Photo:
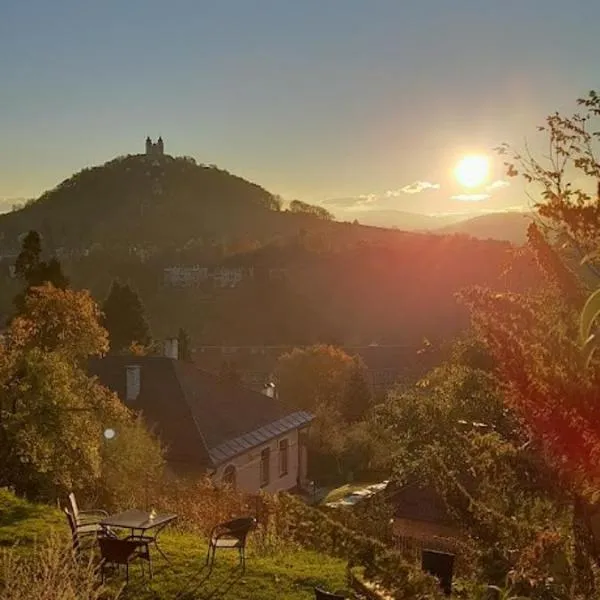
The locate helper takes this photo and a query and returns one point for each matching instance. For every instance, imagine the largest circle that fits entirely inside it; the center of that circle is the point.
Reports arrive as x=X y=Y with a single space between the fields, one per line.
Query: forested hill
x=141 y=200
x=160 y=203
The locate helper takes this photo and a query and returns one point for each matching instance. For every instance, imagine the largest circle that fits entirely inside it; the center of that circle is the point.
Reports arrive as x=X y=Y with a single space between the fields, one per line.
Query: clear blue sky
x=315 y=99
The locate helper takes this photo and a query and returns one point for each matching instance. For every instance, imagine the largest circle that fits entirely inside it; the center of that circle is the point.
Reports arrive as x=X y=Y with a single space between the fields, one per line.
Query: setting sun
x=472 y=171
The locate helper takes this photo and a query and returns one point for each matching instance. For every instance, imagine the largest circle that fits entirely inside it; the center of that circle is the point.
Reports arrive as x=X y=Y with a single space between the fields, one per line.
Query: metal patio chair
x=115 y=552
x=231 y=535
x=83 y=536
x=85 y=517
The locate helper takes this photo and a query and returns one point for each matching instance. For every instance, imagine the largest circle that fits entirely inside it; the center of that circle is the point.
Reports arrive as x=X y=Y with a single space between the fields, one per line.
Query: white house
x=241 y=437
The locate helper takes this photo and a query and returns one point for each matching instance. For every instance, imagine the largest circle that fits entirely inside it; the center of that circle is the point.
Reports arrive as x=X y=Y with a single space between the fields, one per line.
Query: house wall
x=247 y=467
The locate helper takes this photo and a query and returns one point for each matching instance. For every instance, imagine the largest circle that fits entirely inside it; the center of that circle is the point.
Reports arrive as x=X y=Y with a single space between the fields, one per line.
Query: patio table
x=141 y=521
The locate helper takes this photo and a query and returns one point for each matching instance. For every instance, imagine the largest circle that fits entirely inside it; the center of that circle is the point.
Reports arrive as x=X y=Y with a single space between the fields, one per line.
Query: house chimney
x=269 y=390
x=171 y=348
x=132 y=382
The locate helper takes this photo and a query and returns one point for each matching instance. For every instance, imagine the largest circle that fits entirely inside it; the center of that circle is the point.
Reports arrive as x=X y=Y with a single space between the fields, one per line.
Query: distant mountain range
x=405 y=220
x=510 y=226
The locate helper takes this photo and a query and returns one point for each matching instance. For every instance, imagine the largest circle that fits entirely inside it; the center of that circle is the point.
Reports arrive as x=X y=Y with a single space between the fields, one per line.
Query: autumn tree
x=333 y=386
x=567 y=179
x=52 y=415
x=300 y=207
x=358 y=394
x=124 y=318
x=61 y=321
x=313 y=377
x=534 y=337
x=451 y=433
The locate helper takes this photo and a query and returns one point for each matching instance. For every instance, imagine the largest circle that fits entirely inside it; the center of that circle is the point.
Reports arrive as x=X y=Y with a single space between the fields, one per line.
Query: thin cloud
x=413 y=188
x=497 y=185
x=7 y=203
x=470 y=197
x=351 y=201
x=368 y=198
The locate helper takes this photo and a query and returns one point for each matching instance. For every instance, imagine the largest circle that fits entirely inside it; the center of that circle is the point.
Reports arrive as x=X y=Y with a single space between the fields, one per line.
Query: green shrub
x=131 y=462
x=292 y=519
x=199 y=503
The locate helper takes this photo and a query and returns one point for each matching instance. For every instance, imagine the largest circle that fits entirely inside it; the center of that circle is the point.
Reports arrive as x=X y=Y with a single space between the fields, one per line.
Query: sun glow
x=472 y=171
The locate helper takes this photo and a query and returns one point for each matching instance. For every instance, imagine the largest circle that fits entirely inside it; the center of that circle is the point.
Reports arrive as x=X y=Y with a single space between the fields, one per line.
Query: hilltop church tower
x=155 y=149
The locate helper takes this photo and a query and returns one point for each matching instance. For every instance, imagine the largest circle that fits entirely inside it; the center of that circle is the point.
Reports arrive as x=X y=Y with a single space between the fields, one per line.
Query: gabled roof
x=419 y=502
x=200 y=418
x=244 y=442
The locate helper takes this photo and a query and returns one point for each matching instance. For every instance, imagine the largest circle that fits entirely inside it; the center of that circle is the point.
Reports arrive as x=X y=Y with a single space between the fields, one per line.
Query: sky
x=359 y=105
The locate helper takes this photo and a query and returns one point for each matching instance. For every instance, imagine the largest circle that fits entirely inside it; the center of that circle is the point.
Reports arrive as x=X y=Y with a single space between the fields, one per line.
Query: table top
x=137 y=519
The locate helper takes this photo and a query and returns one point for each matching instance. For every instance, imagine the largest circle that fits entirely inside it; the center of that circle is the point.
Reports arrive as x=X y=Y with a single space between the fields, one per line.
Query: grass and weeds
x=291 y=574
x=35 y=561
x=24 y=523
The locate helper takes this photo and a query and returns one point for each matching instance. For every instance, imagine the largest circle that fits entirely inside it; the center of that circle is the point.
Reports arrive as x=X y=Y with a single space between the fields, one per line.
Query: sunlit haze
x=353 y=104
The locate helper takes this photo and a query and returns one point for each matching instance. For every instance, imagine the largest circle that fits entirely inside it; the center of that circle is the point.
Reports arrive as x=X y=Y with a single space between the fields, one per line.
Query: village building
x=235 y=435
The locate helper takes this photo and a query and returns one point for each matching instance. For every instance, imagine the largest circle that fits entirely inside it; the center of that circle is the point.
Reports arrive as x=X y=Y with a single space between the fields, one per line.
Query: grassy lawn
x=25 y=523
x=290 y=575
x=280 y=573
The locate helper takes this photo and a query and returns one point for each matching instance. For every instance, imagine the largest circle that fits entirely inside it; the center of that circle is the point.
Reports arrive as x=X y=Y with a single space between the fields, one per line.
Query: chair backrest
x=73 y=528
x=117 y=551
x=323 y=595
x=239 y=528
x=74 y=507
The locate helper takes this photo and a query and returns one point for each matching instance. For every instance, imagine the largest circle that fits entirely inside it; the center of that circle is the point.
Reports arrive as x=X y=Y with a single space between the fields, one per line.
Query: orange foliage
x=534 y=341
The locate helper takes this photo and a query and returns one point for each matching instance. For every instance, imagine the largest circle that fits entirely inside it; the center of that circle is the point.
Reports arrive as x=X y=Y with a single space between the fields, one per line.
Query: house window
x=265 y=465
x=283 y=458
x=229 y=476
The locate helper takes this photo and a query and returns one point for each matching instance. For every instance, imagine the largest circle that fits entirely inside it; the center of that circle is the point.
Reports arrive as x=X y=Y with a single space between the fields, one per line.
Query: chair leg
x=127 y=573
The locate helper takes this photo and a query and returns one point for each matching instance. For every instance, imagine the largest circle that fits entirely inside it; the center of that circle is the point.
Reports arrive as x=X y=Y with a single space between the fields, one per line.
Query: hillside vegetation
x=159 y=203
x=342 y=283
